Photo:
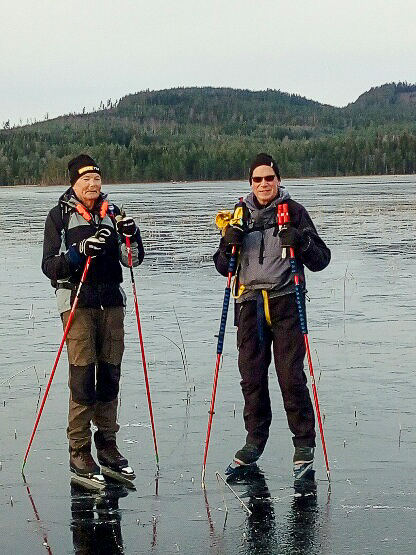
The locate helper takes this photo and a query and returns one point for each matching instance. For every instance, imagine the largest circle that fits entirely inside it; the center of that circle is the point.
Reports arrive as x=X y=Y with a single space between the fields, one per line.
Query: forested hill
x=212 y=133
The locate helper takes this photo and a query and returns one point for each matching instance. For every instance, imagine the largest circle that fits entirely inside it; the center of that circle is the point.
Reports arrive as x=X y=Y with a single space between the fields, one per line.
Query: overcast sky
x=58 y=56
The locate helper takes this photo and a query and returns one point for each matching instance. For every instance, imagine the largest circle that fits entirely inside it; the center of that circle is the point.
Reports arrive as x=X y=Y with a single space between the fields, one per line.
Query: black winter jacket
x=65 y=228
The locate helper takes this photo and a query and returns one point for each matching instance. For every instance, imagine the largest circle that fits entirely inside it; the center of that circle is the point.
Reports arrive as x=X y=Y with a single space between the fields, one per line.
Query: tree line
x=212 y=134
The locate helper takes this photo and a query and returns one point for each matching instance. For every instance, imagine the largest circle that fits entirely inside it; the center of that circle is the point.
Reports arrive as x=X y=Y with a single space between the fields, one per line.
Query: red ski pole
x=139 y=327
x=61 y=346
x=284 y=220
x=220 y=345
x=237 y=219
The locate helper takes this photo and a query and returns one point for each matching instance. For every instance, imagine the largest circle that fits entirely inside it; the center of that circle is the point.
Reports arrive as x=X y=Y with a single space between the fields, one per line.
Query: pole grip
x=231 y=264
x=284 y=220
x=129 y=253
x=223 y=322
x=226 y=301
x=298 y=293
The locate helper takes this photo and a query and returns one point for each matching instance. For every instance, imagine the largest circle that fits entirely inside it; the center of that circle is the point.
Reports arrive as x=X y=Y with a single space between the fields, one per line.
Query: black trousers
x=286 y=339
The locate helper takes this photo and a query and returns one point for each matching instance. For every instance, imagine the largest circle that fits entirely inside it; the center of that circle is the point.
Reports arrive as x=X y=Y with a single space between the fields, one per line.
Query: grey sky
x=57 y=56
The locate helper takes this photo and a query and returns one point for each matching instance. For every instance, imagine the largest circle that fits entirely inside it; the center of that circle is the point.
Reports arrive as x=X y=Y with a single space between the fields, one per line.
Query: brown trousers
x=95 y=346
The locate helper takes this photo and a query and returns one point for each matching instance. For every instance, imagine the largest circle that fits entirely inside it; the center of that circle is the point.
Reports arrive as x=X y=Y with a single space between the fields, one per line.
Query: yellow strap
x=241 y=288
x=266 y=306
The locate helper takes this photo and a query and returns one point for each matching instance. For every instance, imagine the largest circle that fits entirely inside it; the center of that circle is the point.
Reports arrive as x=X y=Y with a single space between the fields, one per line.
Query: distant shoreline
x=40 y=185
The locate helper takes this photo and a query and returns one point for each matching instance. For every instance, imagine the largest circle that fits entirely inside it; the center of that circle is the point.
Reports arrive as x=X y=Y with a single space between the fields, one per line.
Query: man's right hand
x=93 y=246
x=234 y=236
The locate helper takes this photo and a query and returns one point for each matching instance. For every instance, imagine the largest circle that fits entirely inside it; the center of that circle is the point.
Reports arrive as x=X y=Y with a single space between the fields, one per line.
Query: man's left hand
x=126 y=226
x=291 y=238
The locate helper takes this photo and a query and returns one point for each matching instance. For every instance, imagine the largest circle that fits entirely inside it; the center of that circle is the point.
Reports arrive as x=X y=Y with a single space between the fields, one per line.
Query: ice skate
x=84 y=470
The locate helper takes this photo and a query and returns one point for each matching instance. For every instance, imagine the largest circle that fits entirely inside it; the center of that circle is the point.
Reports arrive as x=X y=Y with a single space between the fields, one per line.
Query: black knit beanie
x=80 y=165
x=263 y=159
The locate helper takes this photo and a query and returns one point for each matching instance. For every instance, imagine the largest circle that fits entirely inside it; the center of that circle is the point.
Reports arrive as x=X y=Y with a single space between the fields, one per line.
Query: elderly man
x=84 y=223
x=267 y=315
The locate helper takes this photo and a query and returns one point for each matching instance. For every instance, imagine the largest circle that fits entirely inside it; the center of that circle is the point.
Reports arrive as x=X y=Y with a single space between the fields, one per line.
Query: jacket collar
x=268 y=211
x=70 y=201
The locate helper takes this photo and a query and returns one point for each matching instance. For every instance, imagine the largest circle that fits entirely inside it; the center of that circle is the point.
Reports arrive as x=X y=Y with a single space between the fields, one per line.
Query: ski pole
x=220 y=345
x=61 y=346
x=284 y=221
x=139 y=327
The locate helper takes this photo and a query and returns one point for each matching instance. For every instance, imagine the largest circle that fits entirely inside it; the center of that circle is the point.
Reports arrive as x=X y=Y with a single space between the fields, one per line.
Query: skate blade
x=96 y=483
x=305 y=486
x=125 y=479
x=234 y=470
x=304 y=489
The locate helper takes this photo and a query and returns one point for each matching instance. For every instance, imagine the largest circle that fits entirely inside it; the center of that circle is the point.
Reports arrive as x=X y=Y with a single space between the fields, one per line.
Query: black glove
x=126 y=226
x=95 y=245
x=234 y=236
x=291 y=237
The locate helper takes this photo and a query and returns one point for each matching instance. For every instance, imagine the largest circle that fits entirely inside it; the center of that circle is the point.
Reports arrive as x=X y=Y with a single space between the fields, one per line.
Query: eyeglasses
x=268 y=178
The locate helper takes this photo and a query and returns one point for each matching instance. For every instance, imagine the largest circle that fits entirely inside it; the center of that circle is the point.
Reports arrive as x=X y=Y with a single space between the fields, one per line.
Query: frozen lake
x=362 y=336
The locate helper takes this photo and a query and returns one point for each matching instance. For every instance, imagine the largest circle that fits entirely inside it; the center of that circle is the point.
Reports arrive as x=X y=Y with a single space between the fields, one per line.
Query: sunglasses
x=268 y=178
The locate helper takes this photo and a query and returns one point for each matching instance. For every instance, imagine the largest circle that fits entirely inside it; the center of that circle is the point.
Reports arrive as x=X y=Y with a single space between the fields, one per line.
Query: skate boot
x=82 y=464
x=110 y=457
x=303 y=463
x=244 y=459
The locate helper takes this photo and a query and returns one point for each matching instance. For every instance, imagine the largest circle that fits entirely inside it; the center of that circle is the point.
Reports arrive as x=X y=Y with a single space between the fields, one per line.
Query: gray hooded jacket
x=260 y=262
x=261 y=265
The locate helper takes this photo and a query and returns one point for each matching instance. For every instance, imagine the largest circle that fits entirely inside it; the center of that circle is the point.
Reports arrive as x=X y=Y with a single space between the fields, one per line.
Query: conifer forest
x=186 y=134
